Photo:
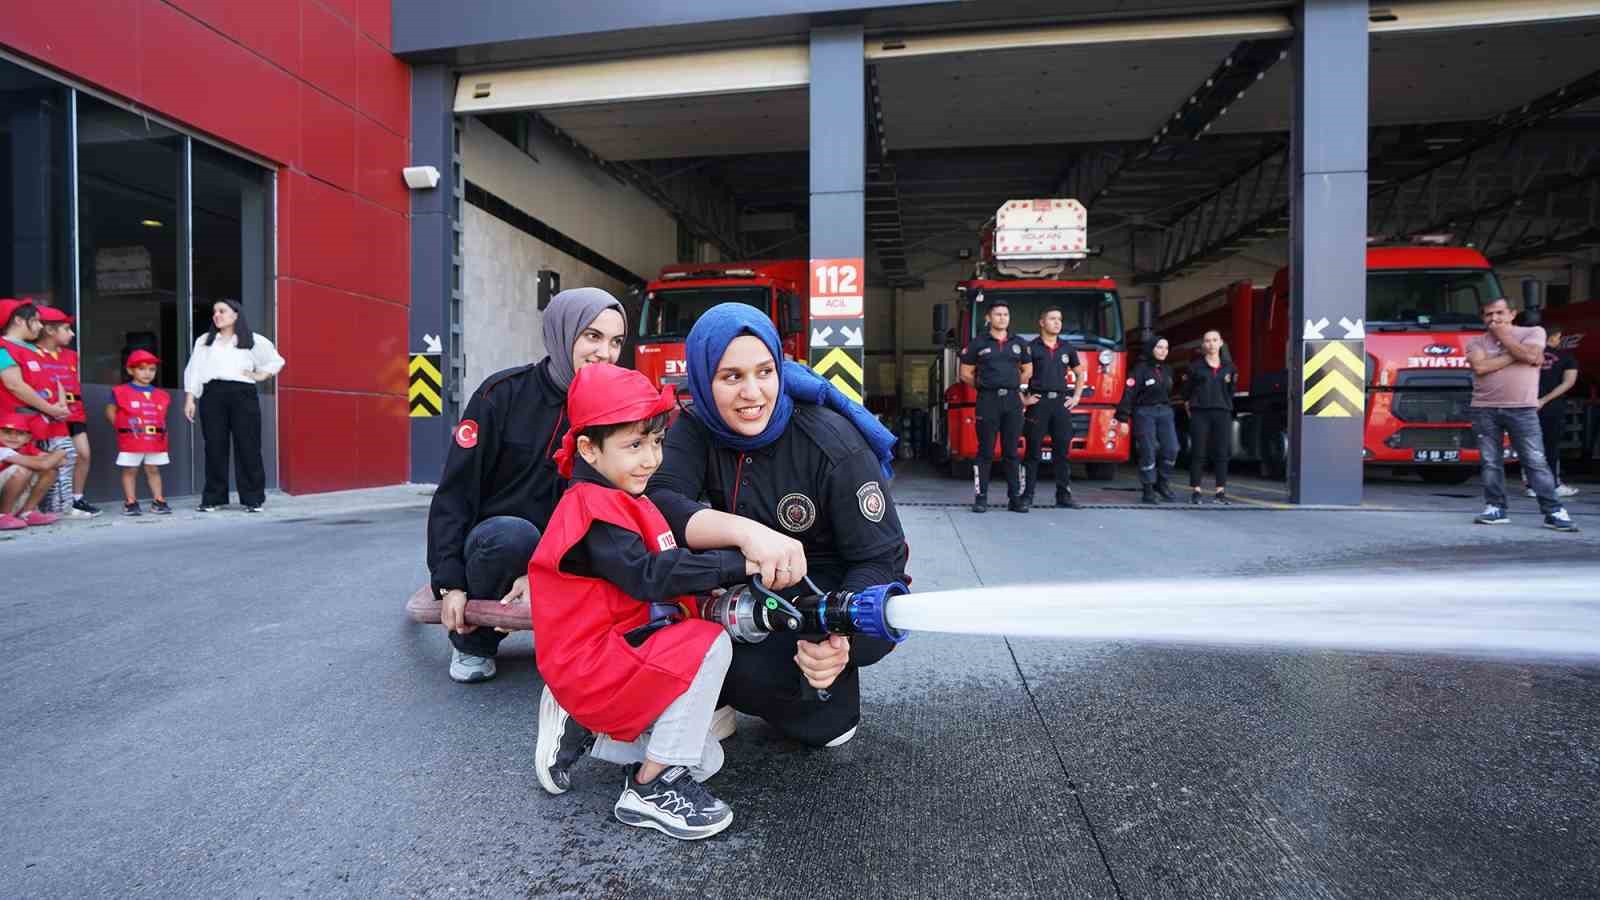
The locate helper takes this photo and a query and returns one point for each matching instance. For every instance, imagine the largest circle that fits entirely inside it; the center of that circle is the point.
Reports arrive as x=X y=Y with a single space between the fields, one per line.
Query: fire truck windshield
x=1086 y=313
x=1429 y=298
x=670 y=313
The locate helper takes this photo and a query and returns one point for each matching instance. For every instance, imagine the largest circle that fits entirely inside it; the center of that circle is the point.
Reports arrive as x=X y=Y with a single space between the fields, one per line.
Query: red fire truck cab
x=1027 y=249
x=682 y=292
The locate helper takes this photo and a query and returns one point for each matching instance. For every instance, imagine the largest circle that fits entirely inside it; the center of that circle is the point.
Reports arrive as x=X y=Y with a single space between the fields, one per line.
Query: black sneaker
x=1221 y=498
x=1560 y=521
x=1147 y=494
x=210 y=507
x=561 y=743
x=252 y=509
x=673 y=803
x=980 y=504
x=1194 y=498
x=1165 y=490
x=132 y=509
x=1017 y=505
x=160 y=508
x=81 y=507
x=1065 y=501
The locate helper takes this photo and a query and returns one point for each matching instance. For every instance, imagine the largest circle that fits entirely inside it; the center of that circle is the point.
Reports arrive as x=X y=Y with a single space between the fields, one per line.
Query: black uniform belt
x=148 y=429
x=1051 y=395
x=1001 y=391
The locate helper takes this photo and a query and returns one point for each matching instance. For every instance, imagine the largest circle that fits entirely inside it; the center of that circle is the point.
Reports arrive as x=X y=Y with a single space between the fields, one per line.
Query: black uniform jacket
x=999 y=363
x=1149 y=385
x=1050 y=366
x=620 y=557
x=818 y=483
x=499 y=465
x=1208 y=388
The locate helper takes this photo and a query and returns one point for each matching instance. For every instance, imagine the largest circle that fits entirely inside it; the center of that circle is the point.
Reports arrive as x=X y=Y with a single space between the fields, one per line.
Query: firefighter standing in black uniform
x=1147 y=401
x=998 y=365
x=1208 y=394
x=1049 y=405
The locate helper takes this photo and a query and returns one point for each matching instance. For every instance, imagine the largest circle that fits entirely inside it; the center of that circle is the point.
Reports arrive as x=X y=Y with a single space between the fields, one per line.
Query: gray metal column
x=435 y=260
x=838 y=202
x=1327 y=266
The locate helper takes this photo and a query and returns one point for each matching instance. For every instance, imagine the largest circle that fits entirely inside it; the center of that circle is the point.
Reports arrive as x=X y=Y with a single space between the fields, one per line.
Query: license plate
x=1436 y=456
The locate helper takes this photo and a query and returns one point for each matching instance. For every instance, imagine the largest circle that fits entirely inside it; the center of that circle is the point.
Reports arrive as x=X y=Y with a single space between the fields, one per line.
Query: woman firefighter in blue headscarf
x=774 y=461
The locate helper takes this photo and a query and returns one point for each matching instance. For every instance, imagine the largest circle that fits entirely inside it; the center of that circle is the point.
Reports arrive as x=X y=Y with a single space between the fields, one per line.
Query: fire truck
x=1422 y=308
x=682 y=292
x=1028 y=248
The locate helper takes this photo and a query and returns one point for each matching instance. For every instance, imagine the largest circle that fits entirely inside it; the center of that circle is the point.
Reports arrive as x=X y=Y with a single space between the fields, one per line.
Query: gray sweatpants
x=681 y=735
x=59 y=500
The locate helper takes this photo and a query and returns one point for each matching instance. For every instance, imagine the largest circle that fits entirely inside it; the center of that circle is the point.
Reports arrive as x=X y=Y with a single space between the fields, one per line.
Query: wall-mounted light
x=151 y=223
x=420 y=178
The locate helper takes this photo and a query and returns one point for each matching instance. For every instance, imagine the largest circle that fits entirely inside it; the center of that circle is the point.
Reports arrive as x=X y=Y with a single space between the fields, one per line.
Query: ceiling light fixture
x=150 y=223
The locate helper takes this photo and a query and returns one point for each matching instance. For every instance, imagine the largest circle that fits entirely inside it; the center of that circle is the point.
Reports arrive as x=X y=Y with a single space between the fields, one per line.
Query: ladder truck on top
x=1029 y=249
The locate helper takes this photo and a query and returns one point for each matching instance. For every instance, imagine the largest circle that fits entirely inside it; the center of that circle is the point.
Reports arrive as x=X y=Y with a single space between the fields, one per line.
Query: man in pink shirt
x=1505 y=398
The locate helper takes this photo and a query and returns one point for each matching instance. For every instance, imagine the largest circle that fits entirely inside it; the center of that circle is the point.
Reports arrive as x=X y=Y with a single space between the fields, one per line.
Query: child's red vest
x=61 y=386
x=141 y=419
x=609 y=686
x=32 y=365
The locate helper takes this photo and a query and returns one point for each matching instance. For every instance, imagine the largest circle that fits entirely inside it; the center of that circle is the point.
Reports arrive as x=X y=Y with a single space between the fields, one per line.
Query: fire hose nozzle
x=865 y=610
x=751 y=612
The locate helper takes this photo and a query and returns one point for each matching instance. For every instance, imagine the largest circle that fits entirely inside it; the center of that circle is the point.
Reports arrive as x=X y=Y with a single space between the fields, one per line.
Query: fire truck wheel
x=1100 y=471
x=1451 y=475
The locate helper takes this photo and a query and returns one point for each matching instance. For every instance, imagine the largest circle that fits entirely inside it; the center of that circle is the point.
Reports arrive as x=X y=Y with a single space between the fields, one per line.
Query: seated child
x=618 y=657
x=26 y=475
x=139 y=414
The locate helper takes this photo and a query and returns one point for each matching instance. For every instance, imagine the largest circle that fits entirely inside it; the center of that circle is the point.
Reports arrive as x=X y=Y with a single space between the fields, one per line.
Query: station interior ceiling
x=1176 y=143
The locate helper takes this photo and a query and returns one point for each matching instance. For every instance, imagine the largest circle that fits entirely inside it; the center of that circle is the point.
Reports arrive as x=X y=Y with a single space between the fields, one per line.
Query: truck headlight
x=1105 y=357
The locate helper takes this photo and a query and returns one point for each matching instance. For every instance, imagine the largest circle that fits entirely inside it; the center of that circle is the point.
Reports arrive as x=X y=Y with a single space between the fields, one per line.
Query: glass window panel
x=130 y=246
x=35 y=233
x=232 y=202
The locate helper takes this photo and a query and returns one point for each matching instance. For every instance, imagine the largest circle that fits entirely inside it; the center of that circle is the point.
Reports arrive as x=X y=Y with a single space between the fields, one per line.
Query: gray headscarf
x=569 y=313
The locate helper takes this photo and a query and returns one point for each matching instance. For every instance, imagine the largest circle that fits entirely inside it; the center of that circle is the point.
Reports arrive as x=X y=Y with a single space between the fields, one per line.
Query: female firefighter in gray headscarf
x=500 y=484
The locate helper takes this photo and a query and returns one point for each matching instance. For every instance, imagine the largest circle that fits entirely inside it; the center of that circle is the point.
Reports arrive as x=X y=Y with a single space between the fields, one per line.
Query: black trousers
x=497 y=553
x=1157 y=437
x=1210 y=437
x=230 y=418
x=1049 y=417
x=1002 y=415
x=1552 y=421
x=764 y=681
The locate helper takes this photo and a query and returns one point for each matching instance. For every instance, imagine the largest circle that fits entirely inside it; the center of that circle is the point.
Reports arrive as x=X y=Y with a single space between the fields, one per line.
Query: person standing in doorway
x=1049 y=406
x=1505 y=398
x=1558 y=373
x=1208 y=393
x=1147 y=401
x=998 y=365
x=229 y=360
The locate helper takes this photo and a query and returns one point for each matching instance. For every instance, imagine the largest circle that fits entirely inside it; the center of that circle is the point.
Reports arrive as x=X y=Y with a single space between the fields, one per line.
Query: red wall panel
x=310 y=85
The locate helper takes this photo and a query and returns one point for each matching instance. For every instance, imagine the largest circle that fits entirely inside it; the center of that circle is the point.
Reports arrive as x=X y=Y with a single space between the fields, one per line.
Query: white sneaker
x=843 y=739
x=1566 y=490
x=466 y=668
x=724 y=722
x=1531 y=492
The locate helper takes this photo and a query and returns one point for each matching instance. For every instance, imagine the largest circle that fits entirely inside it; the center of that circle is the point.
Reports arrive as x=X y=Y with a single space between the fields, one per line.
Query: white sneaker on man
x=467 y=669
x=1531 y=492
x=1566 y=490
x=843 y=739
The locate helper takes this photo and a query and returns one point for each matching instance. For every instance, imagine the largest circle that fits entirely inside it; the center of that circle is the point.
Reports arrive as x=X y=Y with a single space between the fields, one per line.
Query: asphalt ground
x=236 y=706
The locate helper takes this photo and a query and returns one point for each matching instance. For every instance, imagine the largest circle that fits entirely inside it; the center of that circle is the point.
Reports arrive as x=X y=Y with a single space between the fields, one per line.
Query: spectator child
x=139 y=414
x=26 y=475
x=618 y=657
x=70 y=434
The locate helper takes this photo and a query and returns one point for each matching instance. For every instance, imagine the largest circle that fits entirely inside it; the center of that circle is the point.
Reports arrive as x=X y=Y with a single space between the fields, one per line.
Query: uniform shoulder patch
x=467 y=434
x=666 y=541
x=1131 y=382
x=796 y=512
x=872 y=502
x=1016 y=348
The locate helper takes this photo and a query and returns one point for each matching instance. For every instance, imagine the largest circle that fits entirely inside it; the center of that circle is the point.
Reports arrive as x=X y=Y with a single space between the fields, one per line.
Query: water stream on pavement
x=1496 y=612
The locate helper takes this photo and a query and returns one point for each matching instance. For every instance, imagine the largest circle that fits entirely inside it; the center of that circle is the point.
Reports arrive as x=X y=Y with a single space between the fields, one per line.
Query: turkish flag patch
x=467 y=434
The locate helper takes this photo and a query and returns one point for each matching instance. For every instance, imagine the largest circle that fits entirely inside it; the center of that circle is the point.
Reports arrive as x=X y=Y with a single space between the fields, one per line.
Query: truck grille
x=1432 y=439
x=1431 y=396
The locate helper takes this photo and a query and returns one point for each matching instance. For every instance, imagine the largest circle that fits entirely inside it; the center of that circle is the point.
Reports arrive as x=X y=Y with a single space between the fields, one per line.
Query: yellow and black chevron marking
x=1335 y=378
x=842 y=369
x=426 y=385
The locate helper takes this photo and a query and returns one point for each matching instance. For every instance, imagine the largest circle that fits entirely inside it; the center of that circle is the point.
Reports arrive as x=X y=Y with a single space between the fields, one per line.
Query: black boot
x=980 y=503
x=1064 y=500
x=1148 y=495
x=1194 y=497
x=1165 y=490
x=1018 y=504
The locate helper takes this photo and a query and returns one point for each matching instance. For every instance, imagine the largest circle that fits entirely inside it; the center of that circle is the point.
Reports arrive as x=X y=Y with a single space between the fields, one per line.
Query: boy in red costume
x=619 y=657
x=23 y=471
x=60 y=363
x=139 y=414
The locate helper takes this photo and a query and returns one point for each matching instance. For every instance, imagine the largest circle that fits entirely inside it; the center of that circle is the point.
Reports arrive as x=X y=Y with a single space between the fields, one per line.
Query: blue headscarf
x=709 y=339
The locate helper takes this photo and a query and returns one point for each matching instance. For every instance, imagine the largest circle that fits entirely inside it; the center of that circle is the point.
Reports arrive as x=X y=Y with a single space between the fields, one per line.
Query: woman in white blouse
x=227 y=363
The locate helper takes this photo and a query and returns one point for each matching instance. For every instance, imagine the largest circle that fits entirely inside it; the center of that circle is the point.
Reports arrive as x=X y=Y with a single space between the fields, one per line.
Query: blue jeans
x=497 y=553
x=1489 y=426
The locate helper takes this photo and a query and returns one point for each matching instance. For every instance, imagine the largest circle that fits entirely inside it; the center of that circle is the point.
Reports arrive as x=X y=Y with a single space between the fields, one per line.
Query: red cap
x=142 y=357
x=8 y=306
x=603 y=394
x=16 y=421
x=51 y=314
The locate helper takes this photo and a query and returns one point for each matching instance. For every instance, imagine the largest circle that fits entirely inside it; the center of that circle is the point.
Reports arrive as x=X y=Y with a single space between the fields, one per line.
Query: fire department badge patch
x=870 y=496
x=796 y=513
x=1016 y=349
x=467 y=434
x=1063 y=359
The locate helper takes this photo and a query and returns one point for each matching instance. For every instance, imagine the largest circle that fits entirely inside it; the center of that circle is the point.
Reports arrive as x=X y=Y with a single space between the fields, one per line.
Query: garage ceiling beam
x=1559 y=245
x=1095 y=173
x=1239 y=214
